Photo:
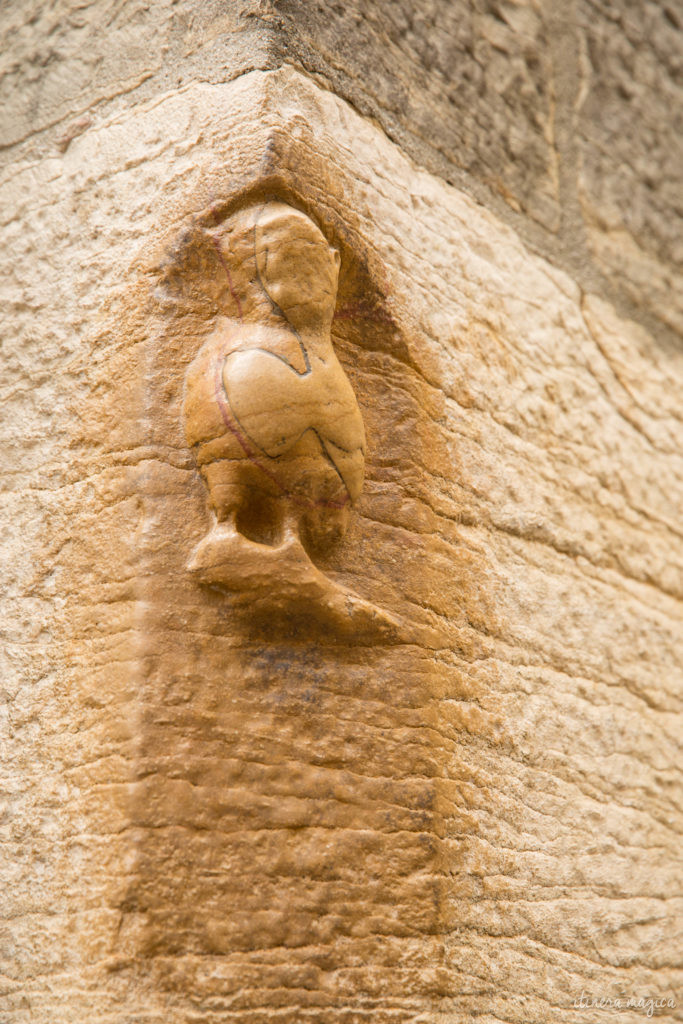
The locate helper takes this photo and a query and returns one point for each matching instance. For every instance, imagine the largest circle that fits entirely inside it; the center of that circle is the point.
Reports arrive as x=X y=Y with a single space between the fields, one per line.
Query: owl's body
x=274 y=427
x=271 y=415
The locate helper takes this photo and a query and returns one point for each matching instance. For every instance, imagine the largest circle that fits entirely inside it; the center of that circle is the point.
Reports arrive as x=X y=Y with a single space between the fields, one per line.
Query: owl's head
x=275 y=254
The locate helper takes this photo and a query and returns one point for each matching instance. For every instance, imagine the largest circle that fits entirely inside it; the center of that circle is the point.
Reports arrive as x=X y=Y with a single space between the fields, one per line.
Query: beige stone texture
x=208 y=818
x=561 y=116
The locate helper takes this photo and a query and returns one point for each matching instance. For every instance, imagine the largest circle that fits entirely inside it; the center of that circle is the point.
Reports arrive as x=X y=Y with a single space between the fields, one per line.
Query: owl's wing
x=275 y=405
x=349 y=465
x=268 y=398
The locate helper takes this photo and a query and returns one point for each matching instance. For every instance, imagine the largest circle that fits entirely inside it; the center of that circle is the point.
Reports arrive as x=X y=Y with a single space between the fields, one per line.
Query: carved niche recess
x=274 y=423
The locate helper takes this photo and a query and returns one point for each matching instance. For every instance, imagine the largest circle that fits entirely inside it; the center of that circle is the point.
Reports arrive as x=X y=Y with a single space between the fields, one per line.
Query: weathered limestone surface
x=631 y=150
x=563 y=116
x=204 y=821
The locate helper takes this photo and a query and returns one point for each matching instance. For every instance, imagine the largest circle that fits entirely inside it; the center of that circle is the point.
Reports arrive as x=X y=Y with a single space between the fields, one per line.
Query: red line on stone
x=361 y=311
x=234 y=294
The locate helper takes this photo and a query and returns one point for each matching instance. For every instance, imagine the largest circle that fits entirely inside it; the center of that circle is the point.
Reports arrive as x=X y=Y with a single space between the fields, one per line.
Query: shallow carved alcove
x=278 y=634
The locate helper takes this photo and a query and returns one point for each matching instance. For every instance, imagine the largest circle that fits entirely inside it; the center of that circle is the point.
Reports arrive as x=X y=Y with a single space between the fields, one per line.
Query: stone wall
x=477 y=817
x=563 y=118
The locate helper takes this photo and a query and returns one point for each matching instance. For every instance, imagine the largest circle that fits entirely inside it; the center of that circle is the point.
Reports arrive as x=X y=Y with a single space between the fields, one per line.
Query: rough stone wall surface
x=563 y=116
x=483 y=820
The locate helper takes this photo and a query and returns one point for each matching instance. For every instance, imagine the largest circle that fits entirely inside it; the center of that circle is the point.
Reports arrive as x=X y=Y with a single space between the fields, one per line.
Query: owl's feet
x=279 y=586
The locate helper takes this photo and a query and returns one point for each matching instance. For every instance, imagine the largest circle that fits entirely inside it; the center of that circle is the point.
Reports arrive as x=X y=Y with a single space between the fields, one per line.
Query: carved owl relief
x=270 y=414
x=269 y=411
